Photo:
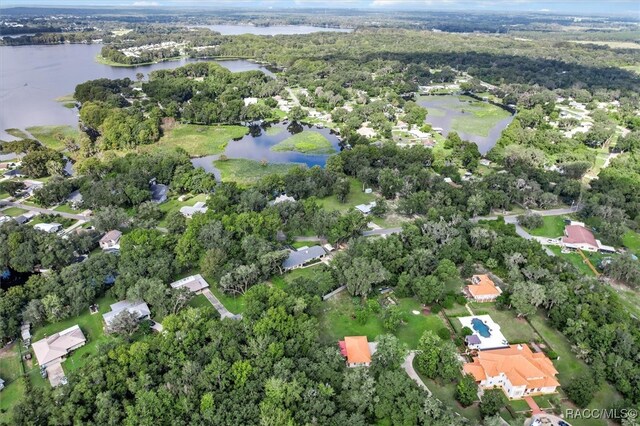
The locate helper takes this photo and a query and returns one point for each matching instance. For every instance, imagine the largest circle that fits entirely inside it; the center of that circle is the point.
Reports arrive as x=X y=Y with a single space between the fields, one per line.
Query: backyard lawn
x=574 y=258
x=356 y=196
x=514 y=329
x=553 y=227
x=338 y=320
x=306 y=142
x=91 y=326
x=630 y=239
x=173 y=204
x=53 y=136
x=13 y=211
x=197 y=140
x=66 y=208
x=246 y=172
x=200 y=301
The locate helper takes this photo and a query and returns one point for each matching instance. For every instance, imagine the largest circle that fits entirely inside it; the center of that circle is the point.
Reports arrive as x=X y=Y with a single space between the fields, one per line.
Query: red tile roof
x=576 y=234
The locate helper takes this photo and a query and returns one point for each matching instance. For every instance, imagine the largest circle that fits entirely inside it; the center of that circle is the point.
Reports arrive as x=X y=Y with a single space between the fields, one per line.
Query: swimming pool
x=481 y=327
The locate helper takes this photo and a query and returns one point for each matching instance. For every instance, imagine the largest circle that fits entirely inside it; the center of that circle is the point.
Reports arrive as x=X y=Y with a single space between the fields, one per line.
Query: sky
x=571 y=7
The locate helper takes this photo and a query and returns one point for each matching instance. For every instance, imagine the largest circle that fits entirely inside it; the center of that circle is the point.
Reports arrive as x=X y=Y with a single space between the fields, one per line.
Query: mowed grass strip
x=199 y=141
x=247 y=172
x=306 y=142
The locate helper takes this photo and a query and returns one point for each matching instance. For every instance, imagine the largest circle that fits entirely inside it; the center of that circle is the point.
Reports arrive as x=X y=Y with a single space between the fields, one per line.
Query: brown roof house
x=194 y=283
x=577 y=236
x=483 y=289
x=55 y=348
x=357 y=350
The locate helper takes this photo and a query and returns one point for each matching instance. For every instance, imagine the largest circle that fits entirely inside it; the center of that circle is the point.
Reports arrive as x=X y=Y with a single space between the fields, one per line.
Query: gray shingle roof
x=300 y=257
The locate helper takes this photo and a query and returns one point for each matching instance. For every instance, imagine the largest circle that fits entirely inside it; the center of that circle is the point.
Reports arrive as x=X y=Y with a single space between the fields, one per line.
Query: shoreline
x=104 y=61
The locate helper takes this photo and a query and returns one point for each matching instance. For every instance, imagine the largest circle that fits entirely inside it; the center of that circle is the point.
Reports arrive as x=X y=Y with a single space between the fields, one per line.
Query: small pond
x=256 y=145
x=479 y=122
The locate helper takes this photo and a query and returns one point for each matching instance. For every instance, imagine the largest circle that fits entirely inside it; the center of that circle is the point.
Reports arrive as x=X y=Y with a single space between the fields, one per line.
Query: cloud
x=145 y=3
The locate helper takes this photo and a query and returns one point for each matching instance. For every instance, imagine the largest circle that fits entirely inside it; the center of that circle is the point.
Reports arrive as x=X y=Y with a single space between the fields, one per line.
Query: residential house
x=516 y=370
x=53 y=349
x=578 y=237
x=199 y=207
x=365 y=209
x=195 y=283
x=357 y=350
x=13 y=173
x=303 y=256
x=483 y=289
x=75 y=199
x=1 y=384
x=138 y=308
x=4 y=219
x=25 y=217
x=111 y=240
x=49 y=228
x=159 y=192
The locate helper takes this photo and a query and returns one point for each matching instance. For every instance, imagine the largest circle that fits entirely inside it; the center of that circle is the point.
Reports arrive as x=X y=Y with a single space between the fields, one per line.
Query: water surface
x=271 y=30
x=32 y=77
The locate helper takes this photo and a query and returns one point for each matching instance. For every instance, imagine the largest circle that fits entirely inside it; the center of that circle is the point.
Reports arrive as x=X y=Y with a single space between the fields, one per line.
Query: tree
x=581 y=389
x=125 y=323
x=35 y=313
x=429 y=354
x=467 y=390
x=176 y=223
x=359 y=391
x=526 y=297
x=342 y=189
x=389 y=354
x=40 y=163
x=109 y=218
x=362 y=274
x=493 y=400
x=391 y=318
x=12 y=187
x=297 y=114
x=530 y=220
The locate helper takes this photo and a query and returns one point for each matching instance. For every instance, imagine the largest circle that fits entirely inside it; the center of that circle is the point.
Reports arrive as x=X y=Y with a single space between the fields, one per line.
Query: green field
x=553 y=226
x=247 y=172
x=631 y=240
x=338 y=320
x=66 y=208
x=13 y=211
x=199 y=141
x=356 y=196
x=53 y=136
x=306 y=142
x=17 y=133
x=575 y=259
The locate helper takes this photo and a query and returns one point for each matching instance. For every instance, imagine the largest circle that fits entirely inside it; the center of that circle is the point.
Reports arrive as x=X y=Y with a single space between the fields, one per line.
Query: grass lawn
x=13 y=211
x=4 y=195
x=338 y=320
x=92 y=327
x=247 y=172
x=173 y=204
x=515 y=330
x=630 y=239
x=356 y=196
x=519 y=405
x=630 y=299
x=446 y=392
x=199 y=141
x=300 y=244
x=53 y=136
x=10 y=372
x=553 y=226
x=235 y=304
x=307 y=142
x=66 y=208
x=199 y=301
x=574 y=258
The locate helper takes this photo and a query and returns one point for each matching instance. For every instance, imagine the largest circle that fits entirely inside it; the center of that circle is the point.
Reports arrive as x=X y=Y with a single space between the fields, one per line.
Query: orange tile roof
x=485 y=287
x=519 y=365
x=357 y=349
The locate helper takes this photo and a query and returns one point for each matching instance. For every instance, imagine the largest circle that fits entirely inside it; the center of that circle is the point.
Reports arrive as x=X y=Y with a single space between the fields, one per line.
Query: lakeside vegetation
x=199 y=141
x=306 y=142
x=54 y=137
x=246 y=172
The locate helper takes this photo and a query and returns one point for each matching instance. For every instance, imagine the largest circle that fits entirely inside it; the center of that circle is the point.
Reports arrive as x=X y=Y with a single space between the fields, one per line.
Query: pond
x=271 y=30
x=476 y=121
x=32 y=77
x=256 y=145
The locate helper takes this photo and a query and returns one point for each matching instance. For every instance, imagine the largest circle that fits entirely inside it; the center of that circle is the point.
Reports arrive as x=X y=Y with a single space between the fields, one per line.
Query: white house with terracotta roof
x=578 y=237
x=483 y=289
x=357 y=350
x=515 y=369
x=194 y=283
x=55 y=348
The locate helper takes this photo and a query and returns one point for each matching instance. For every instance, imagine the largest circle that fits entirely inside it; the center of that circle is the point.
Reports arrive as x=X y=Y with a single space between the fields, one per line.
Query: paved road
x=44 y=211
x=224 y=312
x=411 y=372
x=382 y=231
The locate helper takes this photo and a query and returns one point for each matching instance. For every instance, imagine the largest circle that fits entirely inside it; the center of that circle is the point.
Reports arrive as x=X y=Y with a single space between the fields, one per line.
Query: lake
x=271 y=30
x=32 y=77
x=257 y=143
x=476 y=121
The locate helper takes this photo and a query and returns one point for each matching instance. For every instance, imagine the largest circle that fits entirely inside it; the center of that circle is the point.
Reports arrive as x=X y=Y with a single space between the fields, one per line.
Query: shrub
x=444 y=333
x=435 y=309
